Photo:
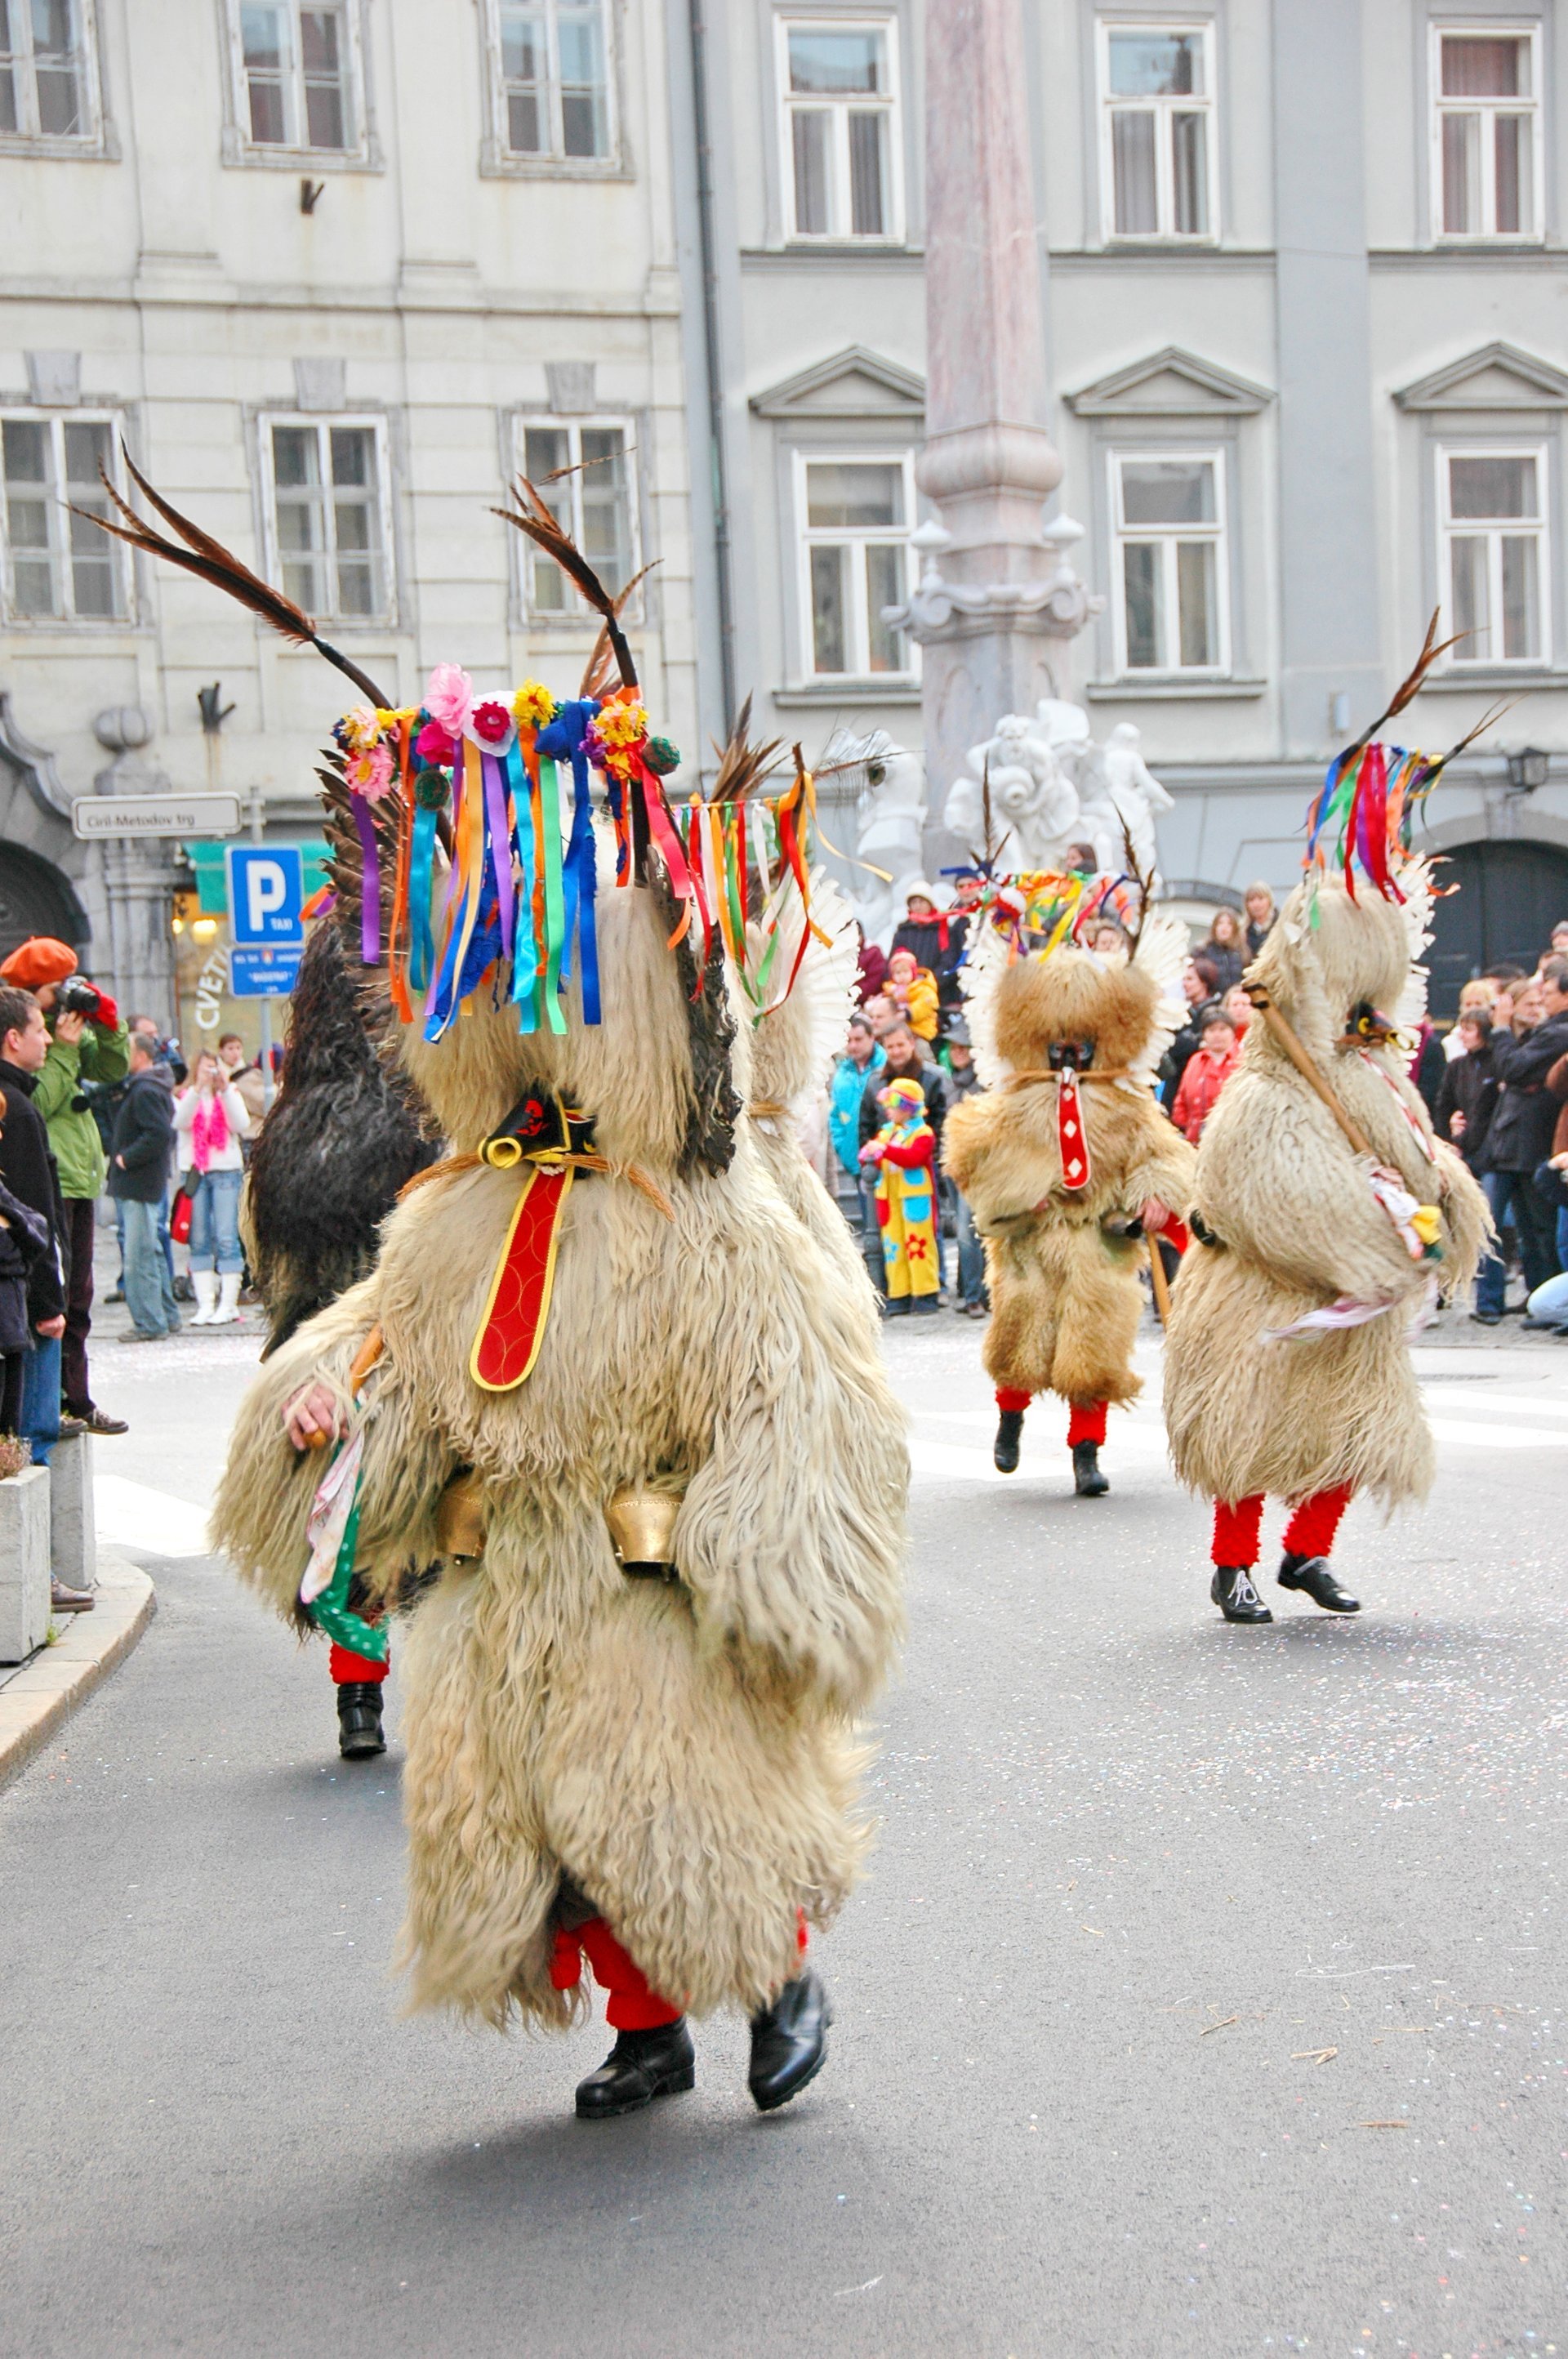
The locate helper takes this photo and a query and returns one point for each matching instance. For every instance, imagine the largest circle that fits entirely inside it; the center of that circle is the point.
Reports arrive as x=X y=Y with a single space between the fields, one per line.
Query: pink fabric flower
x=448 y=698
x=491 y=722
x=370 y=773
x=433 y=745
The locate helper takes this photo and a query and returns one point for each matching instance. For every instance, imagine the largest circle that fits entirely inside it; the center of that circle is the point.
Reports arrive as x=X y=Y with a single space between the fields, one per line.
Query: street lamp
x=1528 y=768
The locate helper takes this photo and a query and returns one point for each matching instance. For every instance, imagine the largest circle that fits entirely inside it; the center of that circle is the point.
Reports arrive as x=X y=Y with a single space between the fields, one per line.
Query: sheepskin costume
x=1296 y=1230
x=1063 y=1261
x=683 y=1754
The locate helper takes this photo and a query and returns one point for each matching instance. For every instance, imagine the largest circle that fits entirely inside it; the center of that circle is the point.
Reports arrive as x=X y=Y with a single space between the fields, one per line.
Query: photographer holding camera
x=87 y=1044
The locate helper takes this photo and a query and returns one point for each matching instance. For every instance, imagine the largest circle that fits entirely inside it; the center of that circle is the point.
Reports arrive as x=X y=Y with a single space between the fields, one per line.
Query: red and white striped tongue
x=1070 y=1134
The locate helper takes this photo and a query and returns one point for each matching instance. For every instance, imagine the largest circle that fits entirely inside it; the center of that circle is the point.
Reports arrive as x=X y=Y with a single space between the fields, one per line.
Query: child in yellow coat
x=903 y=1154
x=913 y=990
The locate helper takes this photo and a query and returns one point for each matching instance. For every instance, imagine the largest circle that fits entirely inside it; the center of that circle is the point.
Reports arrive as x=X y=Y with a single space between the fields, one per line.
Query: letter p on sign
x=266 y=889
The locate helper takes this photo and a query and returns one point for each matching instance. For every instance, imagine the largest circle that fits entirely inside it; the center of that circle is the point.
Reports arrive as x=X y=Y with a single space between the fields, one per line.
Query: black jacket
x=143 y=1139
x=936 y=942
x=1184 y=1046
x=26 y=1168
x=1227 y=964
x=1469 y=1087
x=932 y=1079
x=1526 y=1113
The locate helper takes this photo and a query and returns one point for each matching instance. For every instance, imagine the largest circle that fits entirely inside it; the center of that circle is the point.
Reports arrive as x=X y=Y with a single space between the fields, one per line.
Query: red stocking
x=633 y=2006
x=1311 y=1527
x=1086 y=1423
x=1236 y=1528
x=347 y=1667
x=1009 y=1399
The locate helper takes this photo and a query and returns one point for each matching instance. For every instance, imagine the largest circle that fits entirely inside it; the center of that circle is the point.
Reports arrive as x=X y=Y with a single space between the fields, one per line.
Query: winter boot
x=1088 y=1480
x=640 y=2066
x=1314 y=1576
x=205 y=1282
x=789 y=2043
x=228 y=1309
x=360 y=1735
x=1008 y=1433
x=1232 y=1591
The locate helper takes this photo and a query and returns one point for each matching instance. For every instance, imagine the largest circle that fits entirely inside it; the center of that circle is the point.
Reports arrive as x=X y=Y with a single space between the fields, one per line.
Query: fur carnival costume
x=1287 y=1361
x=1062 y=1150
x=673 y=1757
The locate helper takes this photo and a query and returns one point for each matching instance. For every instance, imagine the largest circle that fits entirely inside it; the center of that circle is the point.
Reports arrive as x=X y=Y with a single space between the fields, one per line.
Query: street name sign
x=266 y=895
x=117 y=815
x=261 y=974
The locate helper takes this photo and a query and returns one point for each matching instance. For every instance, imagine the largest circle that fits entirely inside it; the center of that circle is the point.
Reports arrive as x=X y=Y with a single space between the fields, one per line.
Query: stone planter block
x=73 y=1550
x=24 y=1563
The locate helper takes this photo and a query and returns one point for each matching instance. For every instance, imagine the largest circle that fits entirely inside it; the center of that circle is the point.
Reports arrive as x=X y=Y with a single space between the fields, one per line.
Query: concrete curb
x=38 y=1698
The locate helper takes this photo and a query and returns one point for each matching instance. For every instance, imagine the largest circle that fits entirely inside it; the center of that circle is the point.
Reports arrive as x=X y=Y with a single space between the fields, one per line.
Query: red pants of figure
x=347 y=1669
x=1086 y=1419
x=634 y=2004
x=1309 y=1531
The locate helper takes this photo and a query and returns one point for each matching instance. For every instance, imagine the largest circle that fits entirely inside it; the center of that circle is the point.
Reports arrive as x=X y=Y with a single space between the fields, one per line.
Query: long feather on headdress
x=532 y=516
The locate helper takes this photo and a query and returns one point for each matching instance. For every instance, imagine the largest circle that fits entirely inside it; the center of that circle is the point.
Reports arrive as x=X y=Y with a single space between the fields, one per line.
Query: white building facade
x=333 y=273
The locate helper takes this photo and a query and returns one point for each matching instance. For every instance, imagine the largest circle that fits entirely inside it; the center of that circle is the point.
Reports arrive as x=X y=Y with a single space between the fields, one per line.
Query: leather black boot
x=1009 y=1429
x=1088 y=1480
x=1232 y=1591
x=789 y=2043
x=640 y=2066
x=1314 y=1575
x=359 y=1733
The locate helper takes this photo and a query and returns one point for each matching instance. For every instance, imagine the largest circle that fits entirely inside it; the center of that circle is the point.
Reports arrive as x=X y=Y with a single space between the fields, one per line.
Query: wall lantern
x=1528 y=769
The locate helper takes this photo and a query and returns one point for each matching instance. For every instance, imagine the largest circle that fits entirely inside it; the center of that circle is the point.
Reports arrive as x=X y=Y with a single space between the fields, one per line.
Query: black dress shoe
x=1314 y=1574
x=1487 y=1317
x=1008 y=1428
x=359 y=1733
x=1232 y=1591
x=789 y=2043
x=1088 y=1480
x=640 y=2066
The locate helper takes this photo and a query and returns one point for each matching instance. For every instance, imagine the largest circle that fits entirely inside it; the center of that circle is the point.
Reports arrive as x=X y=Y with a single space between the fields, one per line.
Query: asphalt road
x=1204 y=1999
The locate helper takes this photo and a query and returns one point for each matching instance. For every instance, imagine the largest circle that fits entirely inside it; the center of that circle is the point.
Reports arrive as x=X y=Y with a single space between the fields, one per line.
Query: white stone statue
x=1034 y=802
x=888 y=783
x=1136 y=793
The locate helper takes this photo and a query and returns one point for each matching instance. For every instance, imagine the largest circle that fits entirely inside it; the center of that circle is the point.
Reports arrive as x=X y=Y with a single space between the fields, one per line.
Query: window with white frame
x=856 y=515
x=841 y=166
x=296 y=78
x=581 y=469
x=550 y=69
x=1485 y=133
x=1171 y=609
x=46 y=74
x=1492 y=512
x=331 y=518
x=1158 y=150
x=57 y=566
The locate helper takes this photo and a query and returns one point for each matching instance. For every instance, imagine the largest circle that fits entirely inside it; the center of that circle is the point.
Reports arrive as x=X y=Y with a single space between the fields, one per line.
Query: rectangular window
x=582 y=471
x=1157 y=144
x=553 y=78
x=57 y=565
x=44 y=76
x=1492 y=505
x=841 y=171
x=856 y=514
x=331 y=523
x=1485 y=133
x=1170 y=562
x=295 y=65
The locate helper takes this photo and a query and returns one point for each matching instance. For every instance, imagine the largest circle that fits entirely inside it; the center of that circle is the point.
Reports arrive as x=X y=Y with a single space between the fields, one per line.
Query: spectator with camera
x=87 y=1048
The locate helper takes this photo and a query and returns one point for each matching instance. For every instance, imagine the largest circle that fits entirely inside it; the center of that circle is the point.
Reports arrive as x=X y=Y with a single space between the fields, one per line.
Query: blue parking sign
x=266 y=893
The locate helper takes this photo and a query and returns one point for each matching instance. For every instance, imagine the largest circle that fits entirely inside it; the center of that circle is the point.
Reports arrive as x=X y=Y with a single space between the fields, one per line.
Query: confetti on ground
x=1314 y=2055
x=1219 y=2027
x=1382 y=2126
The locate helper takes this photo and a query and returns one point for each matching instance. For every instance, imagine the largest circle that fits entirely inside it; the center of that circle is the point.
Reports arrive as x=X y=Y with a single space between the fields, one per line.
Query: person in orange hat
x=903 y=1155
x=88 y=1045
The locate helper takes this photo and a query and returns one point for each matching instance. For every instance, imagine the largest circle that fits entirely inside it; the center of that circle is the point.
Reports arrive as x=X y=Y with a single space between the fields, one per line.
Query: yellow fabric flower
x=1427 y=1222
x=533 y=706
x=361 y=728
x=621 y=724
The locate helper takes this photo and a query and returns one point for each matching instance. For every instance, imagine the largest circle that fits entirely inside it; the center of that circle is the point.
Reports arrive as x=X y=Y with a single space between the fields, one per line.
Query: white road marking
x=135 y=1515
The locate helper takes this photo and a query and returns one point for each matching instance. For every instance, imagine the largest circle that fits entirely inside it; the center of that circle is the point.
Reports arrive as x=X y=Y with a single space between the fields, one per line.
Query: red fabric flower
x=433 y=745
x=491 y=722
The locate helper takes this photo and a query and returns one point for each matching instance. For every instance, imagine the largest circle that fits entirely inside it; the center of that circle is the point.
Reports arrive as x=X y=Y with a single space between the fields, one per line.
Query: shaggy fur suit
x=1065 y=1298
x=1297 y=1226
x=686 y=1754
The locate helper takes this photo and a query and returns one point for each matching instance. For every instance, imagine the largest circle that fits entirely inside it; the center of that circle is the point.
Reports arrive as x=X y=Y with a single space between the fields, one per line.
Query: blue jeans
x=971 y=1256
x=165 y=1240
x=41 y=1397
x=149 y=1289
x=872 y=1234
x=1535 y=1224
x=215 y=1223
x=1550 y=1300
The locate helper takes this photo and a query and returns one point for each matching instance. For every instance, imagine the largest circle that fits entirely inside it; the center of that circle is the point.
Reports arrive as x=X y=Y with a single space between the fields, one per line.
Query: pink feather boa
x=209 y=1132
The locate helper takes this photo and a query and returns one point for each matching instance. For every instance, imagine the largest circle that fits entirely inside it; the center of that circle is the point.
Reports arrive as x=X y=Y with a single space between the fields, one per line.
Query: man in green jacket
x=88 y=1043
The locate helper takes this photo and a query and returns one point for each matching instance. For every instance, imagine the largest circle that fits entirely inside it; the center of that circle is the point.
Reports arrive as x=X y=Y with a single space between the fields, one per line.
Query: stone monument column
x=136 y=876
x=992 y=610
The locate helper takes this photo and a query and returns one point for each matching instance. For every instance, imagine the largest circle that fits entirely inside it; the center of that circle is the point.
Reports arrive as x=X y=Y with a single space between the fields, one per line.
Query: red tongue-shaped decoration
x=1070 y=1135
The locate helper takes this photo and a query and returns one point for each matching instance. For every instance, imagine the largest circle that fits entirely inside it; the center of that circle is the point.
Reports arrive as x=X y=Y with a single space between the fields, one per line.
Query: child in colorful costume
x=1065 y=1157
x=1326 y=1213
x=903 y=1154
